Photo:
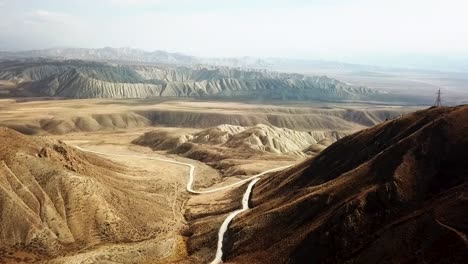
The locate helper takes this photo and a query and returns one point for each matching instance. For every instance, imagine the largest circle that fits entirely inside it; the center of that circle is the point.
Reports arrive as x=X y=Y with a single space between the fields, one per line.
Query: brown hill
x=394 y=193
x=56 y=200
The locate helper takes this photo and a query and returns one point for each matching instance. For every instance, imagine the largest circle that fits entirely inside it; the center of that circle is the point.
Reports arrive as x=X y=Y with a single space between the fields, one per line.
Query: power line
x=438 y=102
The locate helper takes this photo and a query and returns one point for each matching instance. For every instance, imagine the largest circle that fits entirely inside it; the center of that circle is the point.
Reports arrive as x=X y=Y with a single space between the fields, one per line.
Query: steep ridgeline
x=393 y=193
x=85 y=79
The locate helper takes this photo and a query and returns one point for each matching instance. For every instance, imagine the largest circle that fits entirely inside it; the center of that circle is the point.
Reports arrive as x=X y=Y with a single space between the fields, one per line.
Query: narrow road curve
x=191 y=171
x=227 y=221
x=224 y=226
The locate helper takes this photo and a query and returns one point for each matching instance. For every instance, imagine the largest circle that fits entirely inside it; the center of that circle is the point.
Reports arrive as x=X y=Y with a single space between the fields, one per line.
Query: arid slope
x=56 y=200
x=68 y=116
x=393 y=193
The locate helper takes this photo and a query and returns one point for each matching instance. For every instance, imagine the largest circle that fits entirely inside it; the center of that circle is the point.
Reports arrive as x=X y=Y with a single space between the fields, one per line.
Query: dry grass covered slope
x=56 y=200
x=393 y=193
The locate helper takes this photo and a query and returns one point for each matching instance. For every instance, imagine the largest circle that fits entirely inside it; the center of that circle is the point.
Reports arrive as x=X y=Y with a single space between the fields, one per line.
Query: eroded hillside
x=262 y=138
x=88 y=79
x=56 y=202
x=395 y=193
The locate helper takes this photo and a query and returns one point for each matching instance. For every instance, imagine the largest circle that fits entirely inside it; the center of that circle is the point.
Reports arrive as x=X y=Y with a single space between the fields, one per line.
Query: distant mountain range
x=163 y=57
x=104 y=54
x=134 y=73
x=88 y=79
x=134 y=56
x=418 y=63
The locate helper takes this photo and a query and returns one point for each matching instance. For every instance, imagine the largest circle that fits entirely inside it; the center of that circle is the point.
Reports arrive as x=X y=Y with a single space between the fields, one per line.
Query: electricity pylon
x=438 y=102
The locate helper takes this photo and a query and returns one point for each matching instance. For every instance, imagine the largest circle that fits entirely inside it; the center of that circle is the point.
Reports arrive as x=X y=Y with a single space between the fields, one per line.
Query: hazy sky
x=330 y=29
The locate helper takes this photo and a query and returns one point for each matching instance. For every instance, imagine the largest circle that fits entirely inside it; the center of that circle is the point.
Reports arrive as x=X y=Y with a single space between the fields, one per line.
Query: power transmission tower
x=438 y=102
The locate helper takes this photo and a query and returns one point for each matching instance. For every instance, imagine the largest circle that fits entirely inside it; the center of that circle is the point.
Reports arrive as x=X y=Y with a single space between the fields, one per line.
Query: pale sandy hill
x=90 y=79
x=279 y=140
x=260 y=137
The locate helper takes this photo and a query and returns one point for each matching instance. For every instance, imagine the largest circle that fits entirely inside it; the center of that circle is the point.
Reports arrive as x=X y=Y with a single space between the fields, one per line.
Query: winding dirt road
x=224 y=226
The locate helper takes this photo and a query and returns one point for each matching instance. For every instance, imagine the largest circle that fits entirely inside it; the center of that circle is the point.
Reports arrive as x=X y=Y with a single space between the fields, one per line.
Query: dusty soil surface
x=82 y=207
x=39 y=116
x=204 y=213
x=201 y=214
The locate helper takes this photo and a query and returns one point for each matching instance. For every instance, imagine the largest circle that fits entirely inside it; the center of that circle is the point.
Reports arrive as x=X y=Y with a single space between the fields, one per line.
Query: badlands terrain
x=124 y=156
x=142 y=73
x=92 y=79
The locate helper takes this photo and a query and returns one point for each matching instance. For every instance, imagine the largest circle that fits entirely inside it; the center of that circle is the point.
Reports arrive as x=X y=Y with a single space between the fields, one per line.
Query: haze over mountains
x=132 y=73
x=105 y=54
x=81 y=79
x=240 y=132
x=273 y=63
x=158 y=57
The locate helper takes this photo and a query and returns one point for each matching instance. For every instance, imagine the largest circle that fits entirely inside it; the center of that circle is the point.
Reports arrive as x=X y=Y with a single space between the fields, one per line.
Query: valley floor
x=173 y=179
